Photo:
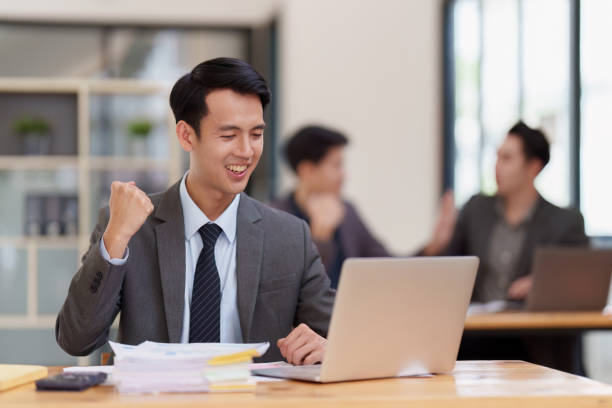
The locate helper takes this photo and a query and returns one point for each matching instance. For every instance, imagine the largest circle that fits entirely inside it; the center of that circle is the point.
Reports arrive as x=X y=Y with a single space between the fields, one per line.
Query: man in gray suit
x=202 y=261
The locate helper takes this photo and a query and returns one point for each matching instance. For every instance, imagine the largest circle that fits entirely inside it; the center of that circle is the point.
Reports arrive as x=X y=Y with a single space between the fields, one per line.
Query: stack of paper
x=196 y=367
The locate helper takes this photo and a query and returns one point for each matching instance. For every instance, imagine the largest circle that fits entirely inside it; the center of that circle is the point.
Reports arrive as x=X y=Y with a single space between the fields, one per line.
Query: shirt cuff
x=113 y=261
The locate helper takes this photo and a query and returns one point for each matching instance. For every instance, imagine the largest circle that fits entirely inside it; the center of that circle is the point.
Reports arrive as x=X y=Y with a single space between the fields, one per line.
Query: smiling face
x=326 y=176
x=230 y=144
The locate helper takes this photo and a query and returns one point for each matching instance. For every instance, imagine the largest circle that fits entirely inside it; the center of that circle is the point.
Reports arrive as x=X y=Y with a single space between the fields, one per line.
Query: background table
x=560 y=321
x=553 y=339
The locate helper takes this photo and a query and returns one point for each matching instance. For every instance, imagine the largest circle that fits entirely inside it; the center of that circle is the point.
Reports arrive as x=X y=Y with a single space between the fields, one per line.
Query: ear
x=186 y=135
x=535 y=167
x=304 y=169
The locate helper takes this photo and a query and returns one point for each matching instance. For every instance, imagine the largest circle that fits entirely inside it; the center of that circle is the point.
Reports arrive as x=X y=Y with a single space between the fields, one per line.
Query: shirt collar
x=500 y=210
x=194 y=218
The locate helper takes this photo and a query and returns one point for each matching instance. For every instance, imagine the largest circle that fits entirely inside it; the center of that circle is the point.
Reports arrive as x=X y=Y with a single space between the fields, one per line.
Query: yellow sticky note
x=234 y=358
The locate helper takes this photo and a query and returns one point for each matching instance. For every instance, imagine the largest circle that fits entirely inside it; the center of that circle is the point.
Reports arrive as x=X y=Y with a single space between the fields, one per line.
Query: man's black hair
x=188 y=96
x=311 y=143
x=535 y=145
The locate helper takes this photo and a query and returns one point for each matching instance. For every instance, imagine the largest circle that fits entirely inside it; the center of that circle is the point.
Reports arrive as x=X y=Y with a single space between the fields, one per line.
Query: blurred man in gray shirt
x=505 y=229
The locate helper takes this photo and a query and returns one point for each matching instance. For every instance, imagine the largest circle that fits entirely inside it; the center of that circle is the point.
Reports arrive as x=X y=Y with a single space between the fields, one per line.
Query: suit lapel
x=249 y=253
x=170 y=238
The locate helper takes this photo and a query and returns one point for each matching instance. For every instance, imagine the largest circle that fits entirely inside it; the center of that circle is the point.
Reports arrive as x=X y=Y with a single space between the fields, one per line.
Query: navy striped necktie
x=204 y=321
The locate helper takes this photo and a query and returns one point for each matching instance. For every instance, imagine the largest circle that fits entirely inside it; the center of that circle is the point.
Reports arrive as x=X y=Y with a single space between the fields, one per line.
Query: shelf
x=46 y=321
x=41 y=241
x=27 y=322
x=39 y=85
x=127 y=86
x=112 y=163
x=37 y=162
x=111 y=86
x=42 y=261
x=95 y=163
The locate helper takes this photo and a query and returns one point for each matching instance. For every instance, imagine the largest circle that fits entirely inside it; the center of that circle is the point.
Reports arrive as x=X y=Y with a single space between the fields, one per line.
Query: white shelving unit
x=83 y=163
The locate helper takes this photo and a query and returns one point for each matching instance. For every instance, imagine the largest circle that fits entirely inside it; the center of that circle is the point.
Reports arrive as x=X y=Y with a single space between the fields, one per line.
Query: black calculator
x=70 y=381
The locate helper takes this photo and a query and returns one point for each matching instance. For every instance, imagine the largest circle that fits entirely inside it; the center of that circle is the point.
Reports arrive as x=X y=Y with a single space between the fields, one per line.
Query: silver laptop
x=570 y=279
x=393 y=317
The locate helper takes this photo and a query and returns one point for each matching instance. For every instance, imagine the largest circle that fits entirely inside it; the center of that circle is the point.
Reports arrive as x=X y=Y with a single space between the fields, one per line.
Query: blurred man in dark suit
x=316 y=155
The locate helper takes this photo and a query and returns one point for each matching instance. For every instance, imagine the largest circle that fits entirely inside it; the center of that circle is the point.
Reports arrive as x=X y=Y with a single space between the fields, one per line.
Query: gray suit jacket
x=549 y=225
x=281 y=281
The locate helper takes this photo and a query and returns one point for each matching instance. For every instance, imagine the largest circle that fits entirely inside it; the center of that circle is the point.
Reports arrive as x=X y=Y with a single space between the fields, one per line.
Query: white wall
x=371 y=68
x=214 y=12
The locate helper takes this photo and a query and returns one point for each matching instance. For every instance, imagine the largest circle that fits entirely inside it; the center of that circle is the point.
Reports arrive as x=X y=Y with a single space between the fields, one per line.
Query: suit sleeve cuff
x=113 y=261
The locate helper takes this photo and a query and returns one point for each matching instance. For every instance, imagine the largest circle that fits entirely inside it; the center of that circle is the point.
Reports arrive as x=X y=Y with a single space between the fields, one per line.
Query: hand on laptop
x=302 y=346
x=520 y=288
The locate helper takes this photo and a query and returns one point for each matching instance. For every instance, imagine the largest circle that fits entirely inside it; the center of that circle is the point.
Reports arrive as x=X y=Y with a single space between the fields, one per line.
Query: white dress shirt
x=225 y=258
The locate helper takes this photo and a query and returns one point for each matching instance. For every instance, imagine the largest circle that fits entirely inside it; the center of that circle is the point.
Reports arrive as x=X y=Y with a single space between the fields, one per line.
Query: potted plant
x=138 y=132
x=35 y=134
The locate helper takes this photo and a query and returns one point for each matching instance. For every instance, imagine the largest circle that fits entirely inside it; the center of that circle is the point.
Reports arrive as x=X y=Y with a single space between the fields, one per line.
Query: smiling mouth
x=237 y=168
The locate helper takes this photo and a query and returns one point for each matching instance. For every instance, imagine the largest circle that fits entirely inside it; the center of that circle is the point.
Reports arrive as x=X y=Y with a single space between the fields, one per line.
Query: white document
x=189 y=349
x=177 y=367
x=174 y=350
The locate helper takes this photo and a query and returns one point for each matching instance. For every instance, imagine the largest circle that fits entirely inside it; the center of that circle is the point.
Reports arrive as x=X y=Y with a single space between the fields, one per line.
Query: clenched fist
x=129 y=209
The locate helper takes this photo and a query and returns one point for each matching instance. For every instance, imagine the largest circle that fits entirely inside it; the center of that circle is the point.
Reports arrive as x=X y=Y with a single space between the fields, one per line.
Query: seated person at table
x=316 y=156
x=203 y=262
x=504 y=230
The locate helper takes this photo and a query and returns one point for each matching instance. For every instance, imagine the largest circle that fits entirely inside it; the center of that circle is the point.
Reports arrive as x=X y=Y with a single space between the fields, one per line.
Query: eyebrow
x=223 y=128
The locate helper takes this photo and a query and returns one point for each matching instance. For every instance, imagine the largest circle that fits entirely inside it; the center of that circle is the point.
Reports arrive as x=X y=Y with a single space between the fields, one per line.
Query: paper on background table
x=494 y=306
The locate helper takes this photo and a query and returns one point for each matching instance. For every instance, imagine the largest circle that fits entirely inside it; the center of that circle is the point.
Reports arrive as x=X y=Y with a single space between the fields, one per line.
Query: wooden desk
x=473 y=384
x=506 y=321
